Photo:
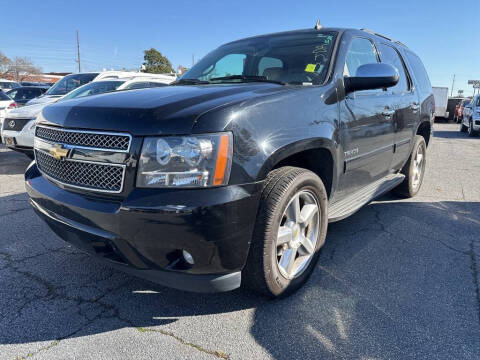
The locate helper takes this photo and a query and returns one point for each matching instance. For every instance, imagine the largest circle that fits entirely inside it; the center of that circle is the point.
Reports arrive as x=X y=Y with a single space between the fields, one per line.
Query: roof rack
x=401 y=44
x=375 y=33
x=385 y=37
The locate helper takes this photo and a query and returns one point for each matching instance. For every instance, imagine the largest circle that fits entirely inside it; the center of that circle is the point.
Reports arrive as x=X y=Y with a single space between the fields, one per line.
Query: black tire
x=409 y=187
x=463 y=128
x=470 y=130
x=261 y=273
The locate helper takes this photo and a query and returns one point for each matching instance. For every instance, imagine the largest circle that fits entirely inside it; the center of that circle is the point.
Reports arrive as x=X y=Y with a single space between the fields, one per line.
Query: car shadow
x=12 y=162
x=444 y=134
x=383 y=288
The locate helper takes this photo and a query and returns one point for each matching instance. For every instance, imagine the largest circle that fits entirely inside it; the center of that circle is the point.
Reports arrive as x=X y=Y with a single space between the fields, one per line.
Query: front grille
x=96 y=140
x=14 y=124
x=87 y=175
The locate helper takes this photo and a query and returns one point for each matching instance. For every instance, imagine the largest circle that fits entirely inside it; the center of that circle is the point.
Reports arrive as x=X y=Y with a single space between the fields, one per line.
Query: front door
x=366 y=125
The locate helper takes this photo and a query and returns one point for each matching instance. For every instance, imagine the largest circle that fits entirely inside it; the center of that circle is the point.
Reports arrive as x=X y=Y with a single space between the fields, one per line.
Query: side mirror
x=372 y=76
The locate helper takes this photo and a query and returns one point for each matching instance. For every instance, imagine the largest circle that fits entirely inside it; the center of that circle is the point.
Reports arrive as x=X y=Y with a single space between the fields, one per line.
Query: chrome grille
x=97 y=140
x=86 y=175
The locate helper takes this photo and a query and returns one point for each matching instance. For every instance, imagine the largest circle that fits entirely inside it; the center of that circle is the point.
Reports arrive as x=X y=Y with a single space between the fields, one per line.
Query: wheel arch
x=425 y=129
x=316 y=155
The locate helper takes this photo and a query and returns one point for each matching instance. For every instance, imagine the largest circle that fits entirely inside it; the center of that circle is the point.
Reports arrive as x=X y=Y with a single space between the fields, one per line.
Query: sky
x=114 y=34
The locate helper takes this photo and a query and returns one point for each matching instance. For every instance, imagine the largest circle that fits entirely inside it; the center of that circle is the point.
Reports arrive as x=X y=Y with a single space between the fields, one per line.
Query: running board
x=352 y=203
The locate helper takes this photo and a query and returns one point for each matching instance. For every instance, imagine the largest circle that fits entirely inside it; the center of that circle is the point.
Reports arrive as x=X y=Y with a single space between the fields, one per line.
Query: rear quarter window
x=419 y=73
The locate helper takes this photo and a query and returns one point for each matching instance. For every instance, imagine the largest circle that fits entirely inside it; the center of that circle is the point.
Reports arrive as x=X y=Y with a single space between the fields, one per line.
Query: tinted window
x=9 y=85
x=390 y=56
x=94 y=88
x=304 y=59
x=70 y=82
x=138 y=85
x=420 y=74
x=13 y=93
x=360 y=52
x=157 y=84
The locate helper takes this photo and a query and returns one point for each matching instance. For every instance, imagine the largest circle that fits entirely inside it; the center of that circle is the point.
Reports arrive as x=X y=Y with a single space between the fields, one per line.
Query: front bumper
x=145 y=233
x=23 y=138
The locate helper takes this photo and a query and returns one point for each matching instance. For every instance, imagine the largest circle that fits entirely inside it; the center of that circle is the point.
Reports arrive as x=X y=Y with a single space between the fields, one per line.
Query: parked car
x=19 y=130
x=6 y=103
x=24 y=94
x=32 y=83
x=471 y=117
x=441 y=101
x=73 y=81
x=459 y=110
x=6 y=85
x=230 y=175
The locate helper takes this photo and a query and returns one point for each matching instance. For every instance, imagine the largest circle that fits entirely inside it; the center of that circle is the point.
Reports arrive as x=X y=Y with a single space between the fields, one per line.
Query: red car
x=459 y=110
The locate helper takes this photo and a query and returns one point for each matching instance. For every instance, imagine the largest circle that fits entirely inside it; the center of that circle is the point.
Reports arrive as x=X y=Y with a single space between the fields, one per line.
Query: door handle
x=388 y=113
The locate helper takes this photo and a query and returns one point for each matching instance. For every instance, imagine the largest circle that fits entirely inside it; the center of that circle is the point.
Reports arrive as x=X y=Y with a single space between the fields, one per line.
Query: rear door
x=367 y=125
x=405 y=103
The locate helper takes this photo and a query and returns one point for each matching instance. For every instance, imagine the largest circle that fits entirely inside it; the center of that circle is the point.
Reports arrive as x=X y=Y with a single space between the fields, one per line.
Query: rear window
x=3 y=96
x=419 y=72
x=70 y=82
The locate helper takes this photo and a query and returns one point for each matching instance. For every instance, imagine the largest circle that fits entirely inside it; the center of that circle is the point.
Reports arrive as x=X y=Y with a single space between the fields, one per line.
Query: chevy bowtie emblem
x=58 y=152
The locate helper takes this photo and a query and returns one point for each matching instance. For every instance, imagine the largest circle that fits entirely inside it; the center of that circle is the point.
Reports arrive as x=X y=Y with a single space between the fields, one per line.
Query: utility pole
x=193 y=59
x=78 y=54
x=453 y=83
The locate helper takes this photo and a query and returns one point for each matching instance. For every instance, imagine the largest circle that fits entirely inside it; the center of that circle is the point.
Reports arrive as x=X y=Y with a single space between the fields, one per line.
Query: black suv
x=232 y=173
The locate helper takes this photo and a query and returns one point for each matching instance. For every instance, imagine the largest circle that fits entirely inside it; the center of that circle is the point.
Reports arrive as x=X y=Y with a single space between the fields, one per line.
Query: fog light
x=188 y=257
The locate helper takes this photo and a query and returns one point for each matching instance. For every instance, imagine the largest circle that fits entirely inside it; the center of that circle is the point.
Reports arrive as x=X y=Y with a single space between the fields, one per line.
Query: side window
x=419 y=72
x=268 y=63
x=390 y=56
x=478 y=101
x=360 y=52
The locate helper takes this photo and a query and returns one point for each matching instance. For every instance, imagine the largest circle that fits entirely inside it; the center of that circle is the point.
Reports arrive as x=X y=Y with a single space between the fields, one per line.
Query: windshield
x=301 y=58
x=69 y=83
x=93 y=88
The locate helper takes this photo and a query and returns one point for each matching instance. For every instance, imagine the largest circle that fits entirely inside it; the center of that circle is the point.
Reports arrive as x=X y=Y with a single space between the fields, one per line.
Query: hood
x=44 y=99
x=26 y=112
x=155 y=111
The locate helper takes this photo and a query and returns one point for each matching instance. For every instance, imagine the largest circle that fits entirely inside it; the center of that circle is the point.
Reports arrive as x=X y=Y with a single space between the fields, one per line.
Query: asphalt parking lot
x=397 y=280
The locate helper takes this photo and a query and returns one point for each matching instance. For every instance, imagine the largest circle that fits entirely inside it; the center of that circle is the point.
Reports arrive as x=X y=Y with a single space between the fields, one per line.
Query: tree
x=22 y=67
x=156 y=63
x=4 y=64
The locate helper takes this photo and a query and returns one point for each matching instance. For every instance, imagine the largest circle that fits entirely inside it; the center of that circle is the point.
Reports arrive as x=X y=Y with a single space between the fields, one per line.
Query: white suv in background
x=471 y=117
x=6 y=85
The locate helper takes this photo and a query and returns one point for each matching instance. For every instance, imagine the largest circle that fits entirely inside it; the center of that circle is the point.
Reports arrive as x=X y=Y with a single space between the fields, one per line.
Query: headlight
x=185 y=161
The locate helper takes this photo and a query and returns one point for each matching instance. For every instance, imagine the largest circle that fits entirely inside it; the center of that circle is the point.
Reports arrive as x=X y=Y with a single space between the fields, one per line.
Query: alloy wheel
x=418 y=167
x=298 y=234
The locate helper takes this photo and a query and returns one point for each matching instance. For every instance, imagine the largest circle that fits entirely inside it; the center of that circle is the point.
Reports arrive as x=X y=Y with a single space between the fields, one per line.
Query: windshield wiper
x=189 y=82
x=252 y=78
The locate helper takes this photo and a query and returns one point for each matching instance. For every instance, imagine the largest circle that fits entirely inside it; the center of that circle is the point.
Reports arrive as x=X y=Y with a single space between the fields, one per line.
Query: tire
x=470 y=130
x=463 y=128
x=265 y=272
x=413 y=171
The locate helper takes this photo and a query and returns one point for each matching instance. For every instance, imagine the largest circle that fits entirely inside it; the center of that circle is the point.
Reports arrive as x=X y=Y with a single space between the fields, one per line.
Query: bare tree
x=5 y=63
x=22 y=67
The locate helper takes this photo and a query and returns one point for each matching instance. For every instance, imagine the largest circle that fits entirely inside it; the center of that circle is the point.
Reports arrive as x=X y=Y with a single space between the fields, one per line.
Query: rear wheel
x=463 y=128
x=413 y=170
x=290 y=229
x=471 y=132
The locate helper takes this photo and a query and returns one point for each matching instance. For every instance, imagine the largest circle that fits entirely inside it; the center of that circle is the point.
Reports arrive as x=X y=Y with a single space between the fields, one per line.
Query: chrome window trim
x=123 y=166
x=87 y=132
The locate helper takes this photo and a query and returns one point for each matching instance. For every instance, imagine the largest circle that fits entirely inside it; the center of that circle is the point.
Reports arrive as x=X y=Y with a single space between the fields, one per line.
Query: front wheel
x=290 y=229
x=463 y=128
x=413 y=170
